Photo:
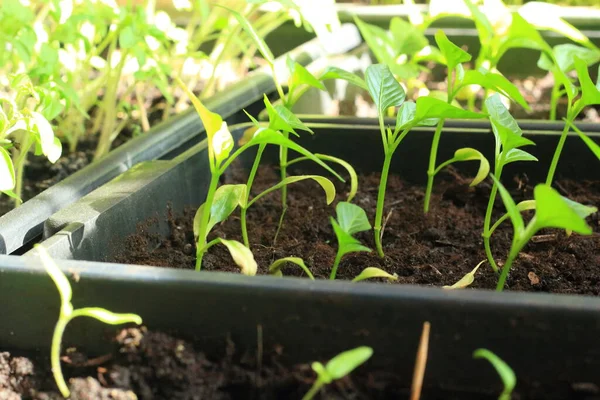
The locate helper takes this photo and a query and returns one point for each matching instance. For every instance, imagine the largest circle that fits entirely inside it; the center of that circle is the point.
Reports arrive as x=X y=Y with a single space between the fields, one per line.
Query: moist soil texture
x=433 y=249
x=150 y=365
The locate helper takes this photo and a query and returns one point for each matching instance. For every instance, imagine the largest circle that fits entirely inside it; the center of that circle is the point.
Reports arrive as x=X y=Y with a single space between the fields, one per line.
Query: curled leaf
x=325 y=183
x=352 y=218
x=507 y=375
x=107 y=317
x=242 y=256
x=466 y=280
x=374 y=272
x=275 y=268
x=469 y=154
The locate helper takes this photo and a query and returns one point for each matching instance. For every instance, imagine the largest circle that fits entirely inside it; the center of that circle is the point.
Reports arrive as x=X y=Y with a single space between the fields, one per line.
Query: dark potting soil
x=156 y=366
x=435 y=249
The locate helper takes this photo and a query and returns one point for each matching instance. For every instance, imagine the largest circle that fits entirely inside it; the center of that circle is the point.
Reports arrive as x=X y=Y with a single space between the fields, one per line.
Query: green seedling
x=337 y=368
x=551 y=211
x=589 y=95
x=24 y=127
x=508 y=140
x=427 y=111
x=275 y=268
x=220 y=204
x=68 y=313
x=466 y=280
x=505 y=372
x=351 y=219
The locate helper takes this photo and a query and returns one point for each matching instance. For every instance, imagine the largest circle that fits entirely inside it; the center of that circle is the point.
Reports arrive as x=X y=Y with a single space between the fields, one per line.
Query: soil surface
x=436 y=249
x=149 y=365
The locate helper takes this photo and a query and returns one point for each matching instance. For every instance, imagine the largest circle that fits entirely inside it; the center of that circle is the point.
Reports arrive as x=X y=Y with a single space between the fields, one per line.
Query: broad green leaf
x=406 y=115
x=338 y=73
x=346 y=243
x=565 y=57
x=60 y=280
x=242 y=256
x=227 y=198
x=282 y=119
x=552 y=211
x=198 y=221
x=301 y=76
x=378 y=40
x=582 y=210
x=453 y=54
x=373 y=272
x=521 y=34
x=511 y=207
x=525 y=205
x=269 y=136
x=507 y=375
x=590 y=94
x=429 y=107
x=383 y=87
x=260 y=44
x=7 y=171
x=344 y=363
x=514 y=155
x=544 y=15
x=275 y=268
x=108 y=317
x=407 y=38
x=594 y=147
x=482 y=23
x=352 y=218
x=220 y=141
x=506 y=130
x=466 y=280
x=406 y=70
x=325 y=183
x=470 y=154
x=495 y=82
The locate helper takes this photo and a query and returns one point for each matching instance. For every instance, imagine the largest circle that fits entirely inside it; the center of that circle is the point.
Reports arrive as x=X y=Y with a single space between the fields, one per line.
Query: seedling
x=506 y=373
x=218 y=208
x=508 y=138
x=351 y=219
x=68 y=313
x=387 y=92
x=337 y=368
x=551 y=211
x=590 y=95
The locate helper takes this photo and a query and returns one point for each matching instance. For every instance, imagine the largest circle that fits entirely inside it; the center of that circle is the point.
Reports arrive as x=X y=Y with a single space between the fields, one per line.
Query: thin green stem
x=517 y=246
x=487 y=232
x=261 y=149
x=336 y=264
x=313 y=390
x=202 y=231
x=20 y=167
x=283 y=158
x=381 y=199
x=59 y=330
x=555 y=95
x=558 y=151
x=432 y=161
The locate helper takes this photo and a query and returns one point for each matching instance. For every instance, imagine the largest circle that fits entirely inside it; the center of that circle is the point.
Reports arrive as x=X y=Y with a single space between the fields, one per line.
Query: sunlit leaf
x=60 y=280
x=373 y=272
x=507 y=375
x=406 y=116
x=594 y=147
x=514 y=155
x=553 y=211
x=275 y=268
x=352 y=218
x=453 y=54
x=470 y=154
x=282 y=119
x=407 y=38
x=51 y=146
x=108 y=317
x=378 y=40
x=590 y=94
x=301 y=76
x=344 y=363
x=565 y=55
x=346 y=243
x=242 y=256
x=383 y=87
x=325 y=183
x=226 y=199
x=7 y=171
x=338 y=73
x=429 y=107
x=521 y=34
x=506 y=130
x=466 y=280
x=496 y=82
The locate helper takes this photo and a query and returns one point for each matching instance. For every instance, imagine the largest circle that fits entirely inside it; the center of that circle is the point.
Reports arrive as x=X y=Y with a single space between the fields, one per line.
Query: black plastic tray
x=23 y=225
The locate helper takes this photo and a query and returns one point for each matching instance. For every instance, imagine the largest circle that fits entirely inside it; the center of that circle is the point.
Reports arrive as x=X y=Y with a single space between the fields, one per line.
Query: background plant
x=505 y=372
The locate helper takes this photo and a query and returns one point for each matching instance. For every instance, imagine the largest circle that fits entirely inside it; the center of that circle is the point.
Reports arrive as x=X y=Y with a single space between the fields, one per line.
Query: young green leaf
x=407 y=38
x=466 y=280
x=453 y=54
x=7 y=171
x=108 y=317
x=373 y=272
x=275 y=268
x=242 y=256
x=352 y=218
x=470 y=154
x=260 y=44
x=506 y=373
x=325 y=183
x=406 y=116
x=514 y=155
x=338 y=73
x=553 y=211
x=520 y=34
x=299 y=75
x=590 y=94
x=344 y=363
x=565 y=55
x=511 y=207
x=429 y=107
x=282 y=119
x=493 y=81
x=594 y=147
x=227 y=198
x=50 y=145
x=506 y=130
x=383 y=87
x=379 y=42
x=346 y=243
